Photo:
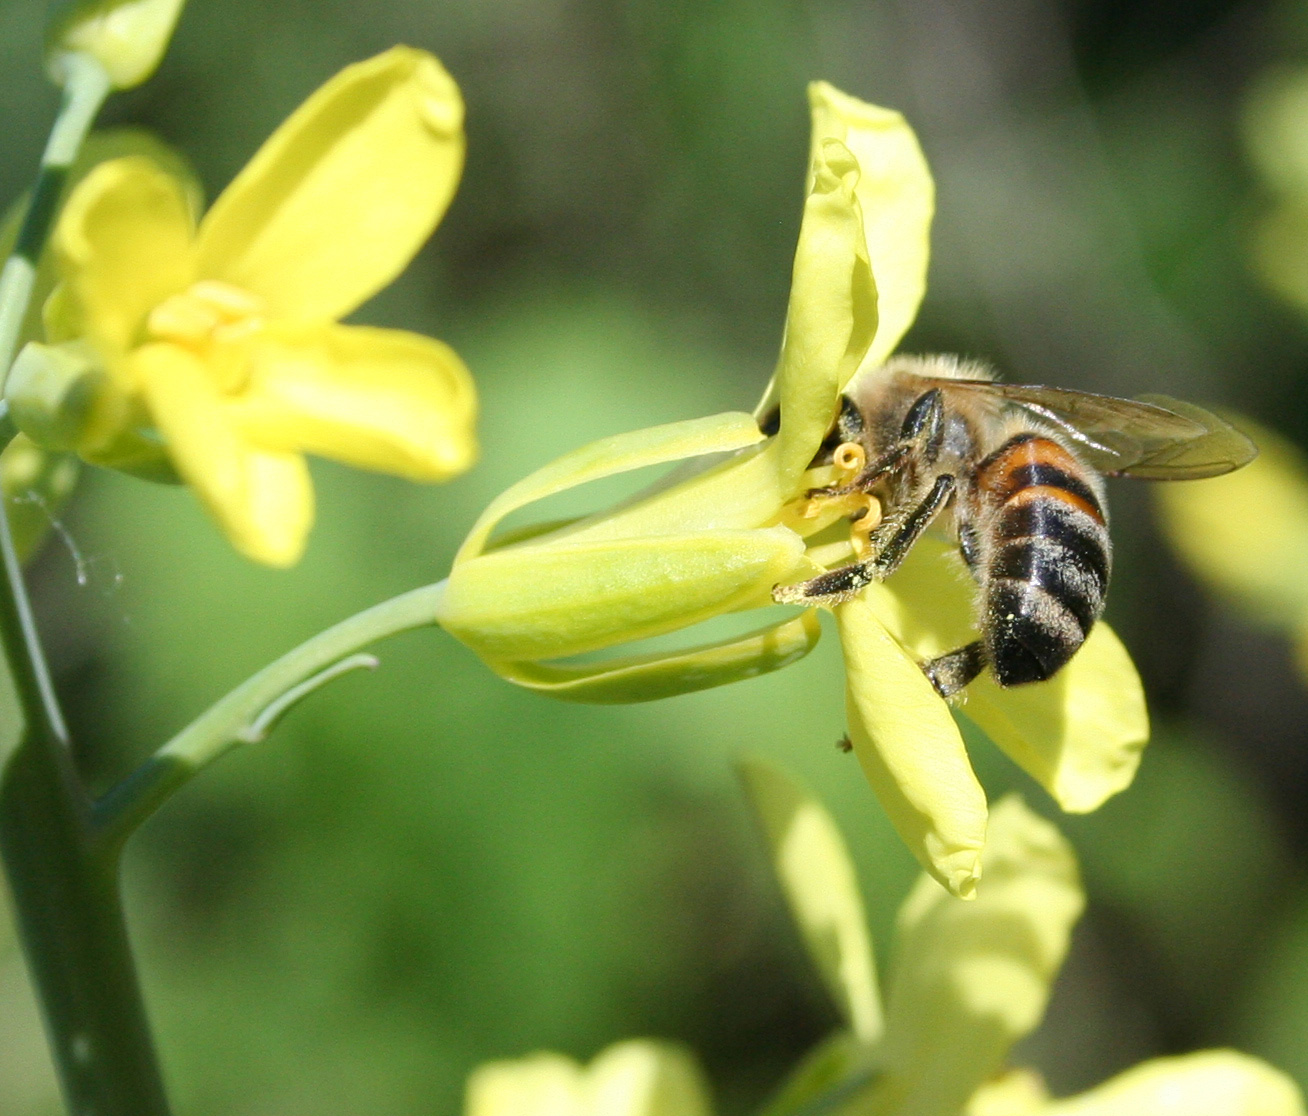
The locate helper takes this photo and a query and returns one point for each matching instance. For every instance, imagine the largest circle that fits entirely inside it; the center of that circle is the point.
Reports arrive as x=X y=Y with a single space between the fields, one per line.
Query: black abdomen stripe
x=1045 y=584
x=1083 y=539
x=1042 y=474
x=1030 y=634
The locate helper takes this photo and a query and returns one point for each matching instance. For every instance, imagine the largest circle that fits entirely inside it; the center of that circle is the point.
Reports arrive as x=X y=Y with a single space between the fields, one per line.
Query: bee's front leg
x=837 y=586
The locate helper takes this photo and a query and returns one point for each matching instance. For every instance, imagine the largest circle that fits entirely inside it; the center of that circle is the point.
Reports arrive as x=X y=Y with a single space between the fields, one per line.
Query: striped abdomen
x=1047 y=561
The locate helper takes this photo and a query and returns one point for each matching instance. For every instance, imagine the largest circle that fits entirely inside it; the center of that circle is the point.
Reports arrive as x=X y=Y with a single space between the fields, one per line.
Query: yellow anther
x=215 y=320
x=229 y=302
x=849 y=457
x=865 y=521
x=182 y=318
x=234 y=333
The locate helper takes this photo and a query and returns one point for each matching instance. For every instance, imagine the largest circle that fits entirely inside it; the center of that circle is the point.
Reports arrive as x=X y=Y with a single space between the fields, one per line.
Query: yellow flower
x=222 y=340
x=969 y=980
x=1245 y=536
x=635 y=1078
x=720 y=540
x=1275 y=126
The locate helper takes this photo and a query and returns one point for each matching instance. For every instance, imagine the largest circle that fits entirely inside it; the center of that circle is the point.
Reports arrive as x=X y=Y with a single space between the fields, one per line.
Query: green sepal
x=539 y=601
x=621 y=453
x=651 y=677
x=51 y=392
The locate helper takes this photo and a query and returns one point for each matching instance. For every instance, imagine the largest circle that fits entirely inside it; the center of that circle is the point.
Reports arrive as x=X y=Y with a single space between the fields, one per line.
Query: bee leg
x=891 y=552
x=837 y=586
x=949 y=673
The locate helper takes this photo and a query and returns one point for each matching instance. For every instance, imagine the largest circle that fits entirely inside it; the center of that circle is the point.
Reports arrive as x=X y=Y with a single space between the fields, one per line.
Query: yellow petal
x=379 y=399
x=263 y=500
x=1279 y=247
x=635 y=1078
x=644 y=1078
x=818 y=880
x=1246 y=534
x=651 y=677
x=1275 y=127
x=540 y=1085
x=897 y=196
x=548 y=601
x=97 y=148
x=928 y=603
x=970 y=979
x=1208 y=1083
x=911 y=751
x=832 y=312
x=621 y=453
x=124 y=245
x=1016 y=1093
x=1079 y=735
x=341 y=196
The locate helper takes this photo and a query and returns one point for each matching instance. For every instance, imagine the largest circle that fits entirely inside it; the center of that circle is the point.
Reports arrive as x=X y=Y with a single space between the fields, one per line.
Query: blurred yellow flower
x=635 y=1078
x=721 y=539
x=1245 y=536
x=222 y=340
x=969 y=980
x=1276 y=134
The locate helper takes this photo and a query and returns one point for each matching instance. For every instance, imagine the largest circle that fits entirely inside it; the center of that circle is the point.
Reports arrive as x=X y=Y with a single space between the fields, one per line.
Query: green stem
x=65 y=888
x=246 y=714
x=85 y=89
x=64 y=883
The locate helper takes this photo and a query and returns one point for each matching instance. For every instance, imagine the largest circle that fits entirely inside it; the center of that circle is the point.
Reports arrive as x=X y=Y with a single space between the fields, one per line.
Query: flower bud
x=51 y=391
x=126 y=37
x=36 y=484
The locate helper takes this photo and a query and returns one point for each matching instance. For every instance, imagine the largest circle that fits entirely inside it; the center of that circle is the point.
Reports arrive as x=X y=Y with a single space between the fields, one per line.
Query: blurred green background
x=425 y=868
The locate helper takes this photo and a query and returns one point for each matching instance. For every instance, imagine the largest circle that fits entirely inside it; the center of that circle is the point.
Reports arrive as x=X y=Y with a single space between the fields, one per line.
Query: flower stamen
x=217 y=321
x=849 y=457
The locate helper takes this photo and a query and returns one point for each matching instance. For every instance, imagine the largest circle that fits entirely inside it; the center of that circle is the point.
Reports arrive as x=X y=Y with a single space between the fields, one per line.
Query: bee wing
x=1152 y=438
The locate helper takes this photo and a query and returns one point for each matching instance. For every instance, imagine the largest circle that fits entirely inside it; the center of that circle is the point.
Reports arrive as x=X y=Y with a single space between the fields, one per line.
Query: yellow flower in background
x=719 y=540
x=968 y=981
x=1245 y=536
x=1276 y=135
x=222 y=340
x=636 y=1078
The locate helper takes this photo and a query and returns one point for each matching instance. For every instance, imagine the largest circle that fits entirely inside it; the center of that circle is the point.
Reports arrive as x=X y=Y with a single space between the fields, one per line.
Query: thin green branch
x=85 y=90
x=265 y=722
x=247 y=713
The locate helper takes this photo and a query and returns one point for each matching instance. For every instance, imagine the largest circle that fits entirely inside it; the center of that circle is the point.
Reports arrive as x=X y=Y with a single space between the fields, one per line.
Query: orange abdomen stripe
x=1034 y=468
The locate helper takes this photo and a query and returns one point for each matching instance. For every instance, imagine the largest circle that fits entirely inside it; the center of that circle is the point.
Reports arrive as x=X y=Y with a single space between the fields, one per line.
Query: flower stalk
x=65 y=884
x=65 y=887
x=86 y=86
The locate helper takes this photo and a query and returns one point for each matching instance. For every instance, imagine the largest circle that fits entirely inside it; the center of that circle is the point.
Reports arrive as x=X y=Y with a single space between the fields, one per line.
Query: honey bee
x=1021 y=468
